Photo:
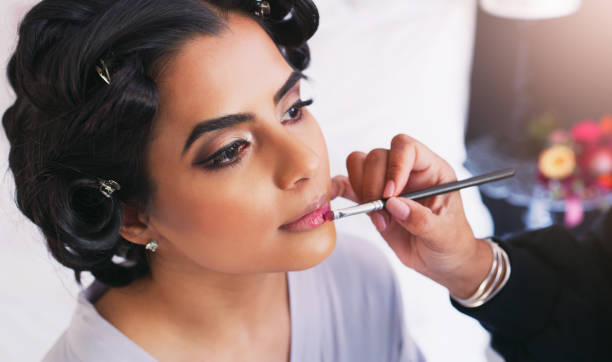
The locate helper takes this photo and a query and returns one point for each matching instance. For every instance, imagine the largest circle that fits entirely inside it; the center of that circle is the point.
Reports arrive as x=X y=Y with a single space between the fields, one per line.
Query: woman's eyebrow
x=235 y=119
x=215 y=124
x=291 y=81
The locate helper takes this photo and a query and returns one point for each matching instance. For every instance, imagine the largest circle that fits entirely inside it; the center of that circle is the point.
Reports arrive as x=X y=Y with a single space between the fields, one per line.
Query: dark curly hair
x=68 y=129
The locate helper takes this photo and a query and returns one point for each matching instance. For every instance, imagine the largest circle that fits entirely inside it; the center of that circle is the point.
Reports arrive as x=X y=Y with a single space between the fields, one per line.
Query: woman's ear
x=134 y=226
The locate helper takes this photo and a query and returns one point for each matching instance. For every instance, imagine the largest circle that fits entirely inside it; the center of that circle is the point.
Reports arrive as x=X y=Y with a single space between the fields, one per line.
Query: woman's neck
x=204 y=309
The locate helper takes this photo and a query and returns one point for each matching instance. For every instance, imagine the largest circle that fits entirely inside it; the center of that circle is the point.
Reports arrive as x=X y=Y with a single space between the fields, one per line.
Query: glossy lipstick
x=311 y=219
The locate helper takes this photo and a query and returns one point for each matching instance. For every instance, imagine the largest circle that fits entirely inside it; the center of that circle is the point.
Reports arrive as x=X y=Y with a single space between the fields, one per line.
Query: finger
x=381 y=220
x=415 y=218
x=386 y=216
x=341 y=187
x=413 y=166
x=374 y=174
x=354 y=166
x=423 y=156
x=401 y=161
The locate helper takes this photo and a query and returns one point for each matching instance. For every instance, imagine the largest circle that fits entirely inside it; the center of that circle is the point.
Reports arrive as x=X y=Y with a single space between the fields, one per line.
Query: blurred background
x=495 y=84
x=537 y=84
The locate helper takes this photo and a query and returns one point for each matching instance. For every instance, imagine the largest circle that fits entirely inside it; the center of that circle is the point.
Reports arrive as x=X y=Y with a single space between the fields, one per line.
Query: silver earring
x=152 y=246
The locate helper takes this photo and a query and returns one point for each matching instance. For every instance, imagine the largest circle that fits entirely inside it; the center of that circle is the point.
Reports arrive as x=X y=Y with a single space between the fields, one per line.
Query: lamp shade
x=530 y=9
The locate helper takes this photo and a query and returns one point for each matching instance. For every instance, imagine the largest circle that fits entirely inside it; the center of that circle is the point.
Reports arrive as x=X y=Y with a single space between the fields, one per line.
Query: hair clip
x=102 y=70
x=107 y=187
x=262 y=8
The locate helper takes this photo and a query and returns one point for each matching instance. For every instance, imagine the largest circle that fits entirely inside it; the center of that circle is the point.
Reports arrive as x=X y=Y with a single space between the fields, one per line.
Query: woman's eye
x=294 y=114
x=226 y=156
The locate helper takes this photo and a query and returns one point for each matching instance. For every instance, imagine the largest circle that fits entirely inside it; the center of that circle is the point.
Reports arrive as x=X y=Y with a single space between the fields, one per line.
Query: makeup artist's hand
x=431 y=236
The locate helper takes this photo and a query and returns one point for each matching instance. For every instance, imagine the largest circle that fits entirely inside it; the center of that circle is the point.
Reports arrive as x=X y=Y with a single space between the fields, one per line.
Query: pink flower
x=587 y=131
x=559 y=136
x=599 y=161
x=574 y=212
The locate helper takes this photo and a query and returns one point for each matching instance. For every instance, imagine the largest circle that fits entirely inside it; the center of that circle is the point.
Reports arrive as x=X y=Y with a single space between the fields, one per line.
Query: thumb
x=341 y=186
x=417 y=219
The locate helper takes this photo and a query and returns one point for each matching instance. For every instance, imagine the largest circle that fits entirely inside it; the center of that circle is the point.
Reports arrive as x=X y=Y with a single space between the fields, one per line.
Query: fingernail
x=389 y=189
x=379 y=222
x=398 y=209
x=386 y=217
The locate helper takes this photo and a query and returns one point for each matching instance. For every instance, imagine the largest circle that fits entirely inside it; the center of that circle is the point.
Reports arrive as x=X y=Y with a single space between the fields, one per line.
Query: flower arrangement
x=576 y=165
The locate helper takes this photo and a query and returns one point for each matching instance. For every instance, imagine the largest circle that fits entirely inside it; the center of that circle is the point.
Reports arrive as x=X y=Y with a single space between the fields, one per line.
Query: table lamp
x=530 y=9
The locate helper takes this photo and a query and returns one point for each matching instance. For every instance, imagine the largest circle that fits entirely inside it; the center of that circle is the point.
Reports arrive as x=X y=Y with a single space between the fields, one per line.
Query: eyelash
x=297 y=106
x=215 y=161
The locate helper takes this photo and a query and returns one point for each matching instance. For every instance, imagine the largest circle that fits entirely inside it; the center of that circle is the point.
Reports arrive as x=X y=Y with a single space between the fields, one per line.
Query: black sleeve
x=557 y=304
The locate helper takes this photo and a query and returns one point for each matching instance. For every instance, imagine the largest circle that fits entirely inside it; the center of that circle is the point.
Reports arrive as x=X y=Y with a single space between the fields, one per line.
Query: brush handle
x=429 y=192
x=458 y=185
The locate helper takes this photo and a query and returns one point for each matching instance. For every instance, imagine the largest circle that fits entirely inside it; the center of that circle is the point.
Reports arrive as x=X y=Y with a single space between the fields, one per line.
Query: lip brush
x=416 y=195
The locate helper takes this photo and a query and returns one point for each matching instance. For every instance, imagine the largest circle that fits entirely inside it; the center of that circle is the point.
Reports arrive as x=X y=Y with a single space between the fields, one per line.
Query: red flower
x=606 y=124
x=605 y=181
x=587 y=131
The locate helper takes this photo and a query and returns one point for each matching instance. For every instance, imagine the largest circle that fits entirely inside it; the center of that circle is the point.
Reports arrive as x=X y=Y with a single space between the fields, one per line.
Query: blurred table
x=519 y=203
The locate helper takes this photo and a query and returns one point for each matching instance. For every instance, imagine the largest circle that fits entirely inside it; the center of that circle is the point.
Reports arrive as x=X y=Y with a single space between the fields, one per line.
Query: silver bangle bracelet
x=498 y=274
x=506 y=277
x=484 y=294
x=487 y=280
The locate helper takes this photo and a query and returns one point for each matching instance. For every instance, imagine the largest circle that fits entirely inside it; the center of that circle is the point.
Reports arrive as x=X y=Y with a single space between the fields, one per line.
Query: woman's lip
x=313 y=216
x=309 y=221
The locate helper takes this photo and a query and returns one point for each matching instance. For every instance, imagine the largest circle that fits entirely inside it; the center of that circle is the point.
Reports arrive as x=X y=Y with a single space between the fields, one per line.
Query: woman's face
x=234 y=158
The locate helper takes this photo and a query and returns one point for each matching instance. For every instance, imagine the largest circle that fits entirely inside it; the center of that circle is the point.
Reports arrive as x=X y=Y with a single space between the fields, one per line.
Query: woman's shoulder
x=89 y=337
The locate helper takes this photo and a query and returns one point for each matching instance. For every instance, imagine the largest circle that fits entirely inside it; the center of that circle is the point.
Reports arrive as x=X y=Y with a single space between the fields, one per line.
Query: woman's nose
x=296 y=160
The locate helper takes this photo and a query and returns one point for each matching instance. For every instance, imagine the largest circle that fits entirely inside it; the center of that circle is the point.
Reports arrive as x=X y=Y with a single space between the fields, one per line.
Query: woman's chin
x=310 y=248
